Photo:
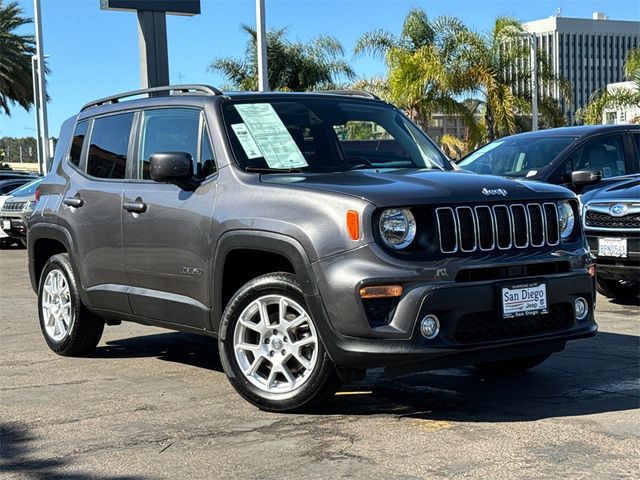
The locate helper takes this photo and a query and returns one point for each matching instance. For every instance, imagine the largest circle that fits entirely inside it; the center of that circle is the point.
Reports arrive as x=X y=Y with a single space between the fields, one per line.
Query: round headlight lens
x=566 y=218
x=397 y=227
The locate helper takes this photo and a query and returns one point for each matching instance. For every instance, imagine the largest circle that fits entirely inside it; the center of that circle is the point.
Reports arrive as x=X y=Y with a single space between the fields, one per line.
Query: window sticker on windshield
x=271 y=136
x=246 y=140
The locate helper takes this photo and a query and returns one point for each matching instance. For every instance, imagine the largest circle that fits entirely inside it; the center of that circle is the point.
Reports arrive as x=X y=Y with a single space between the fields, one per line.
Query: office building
x=590 y=53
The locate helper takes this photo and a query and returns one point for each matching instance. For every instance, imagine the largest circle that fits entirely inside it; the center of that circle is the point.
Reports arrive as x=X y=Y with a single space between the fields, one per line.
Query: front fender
x=266 y=241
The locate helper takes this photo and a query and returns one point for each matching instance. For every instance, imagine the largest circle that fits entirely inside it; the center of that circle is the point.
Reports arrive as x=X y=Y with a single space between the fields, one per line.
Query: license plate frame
x=6 y=224
x=613 y=247
x=524 y=299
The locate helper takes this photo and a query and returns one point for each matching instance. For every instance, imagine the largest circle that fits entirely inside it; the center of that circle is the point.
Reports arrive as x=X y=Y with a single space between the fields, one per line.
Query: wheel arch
x=44 y=241
x=283 y=251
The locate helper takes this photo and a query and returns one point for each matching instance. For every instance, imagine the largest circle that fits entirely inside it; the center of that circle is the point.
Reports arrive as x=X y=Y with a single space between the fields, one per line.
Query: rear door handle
x=138 y=206
x=75 y=202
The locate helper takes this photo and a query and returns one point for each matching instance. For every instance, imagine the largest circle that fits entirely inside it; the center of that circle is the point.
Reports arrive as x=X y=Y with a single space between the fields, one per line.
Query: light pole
x=36 y=104
x=43 y=135
x=261 y=33
x=534 y=81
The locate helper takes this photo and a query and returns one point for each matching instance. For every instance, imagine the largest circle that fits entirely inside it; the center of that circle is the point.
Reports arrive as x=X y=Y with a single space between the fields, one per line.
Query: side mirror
x=582 y=178
x=171 y=167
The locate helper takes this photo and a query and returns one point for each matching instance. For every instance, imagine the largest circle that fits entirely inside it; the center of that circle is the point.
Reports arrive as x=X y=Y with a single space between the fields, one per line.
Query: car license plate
x=6 y=224
x=612 y=247
x=523 y=300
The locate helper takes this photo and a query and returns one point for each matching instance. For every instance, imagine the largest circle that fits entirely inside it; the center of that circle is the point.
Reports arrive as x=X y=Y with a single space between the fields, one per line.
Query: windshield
x=28 y=189
x=326 y=134
x=516 y=157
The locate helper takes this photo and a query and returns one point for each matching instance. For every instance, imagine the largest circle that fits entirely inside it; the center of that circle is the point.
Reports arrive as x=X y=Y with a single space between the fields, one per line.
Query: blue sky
x=94 y=53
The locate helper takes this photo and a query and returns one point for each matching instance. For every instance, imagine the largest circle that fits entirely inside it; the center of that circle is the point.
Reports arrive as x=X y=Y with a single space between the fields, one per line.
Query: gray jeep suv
x=315 y=235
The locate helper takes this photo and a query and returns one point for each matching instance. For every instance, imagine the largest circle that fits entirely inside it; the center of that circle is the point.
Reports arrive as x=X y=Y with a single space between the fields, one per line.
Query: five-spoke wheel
x=68 y=327
x=271 y=349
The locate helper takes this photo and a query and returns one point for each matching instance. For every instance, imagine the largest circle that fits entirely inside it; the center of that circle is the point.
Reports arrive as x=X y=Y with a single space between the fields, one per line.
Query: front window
x=326 y=135
x=516 y=157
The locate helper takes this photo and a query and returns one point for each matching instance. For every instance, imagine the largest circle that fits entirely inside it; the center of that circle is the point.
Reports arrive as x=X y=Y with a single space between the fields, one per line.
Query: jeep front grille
x=14 y=206
x=485 y=228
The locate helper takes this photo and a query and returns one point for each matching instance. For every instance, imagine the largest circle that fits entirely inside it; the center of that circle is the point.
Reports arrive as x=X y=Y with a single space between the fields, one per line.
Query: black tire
x=511 y=367
x=617 y=289
x=5 y=243
x=323 y=380
x=85 y=328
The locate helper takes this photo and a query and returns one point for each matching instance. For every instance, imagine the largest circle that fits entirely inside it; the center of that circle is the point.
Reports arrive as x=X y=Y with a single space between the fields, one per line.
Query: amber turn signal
x=381 y=291
x=353 y=224
x=592 y=270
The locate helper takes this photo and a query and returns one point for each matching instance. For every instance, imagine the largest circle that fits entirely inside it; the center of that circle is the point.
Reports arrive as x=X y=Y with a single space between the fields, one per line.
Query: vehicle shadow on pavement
x=635 y=302
x=17 y=449
x=195 y=350
x=592 y=376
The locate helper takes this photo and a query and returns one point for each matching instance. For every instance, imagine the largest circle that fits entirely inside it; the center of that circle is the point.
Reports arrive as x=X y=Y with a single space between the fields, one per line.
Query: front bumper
x=471 y=326
x=16 y=226
x=611 y=268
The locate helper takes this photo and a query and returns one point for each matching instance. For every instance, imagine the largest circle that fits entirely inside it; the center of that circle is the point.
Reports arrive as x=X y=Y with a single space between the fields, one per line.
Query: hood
x=385 y=188
x=614 y=189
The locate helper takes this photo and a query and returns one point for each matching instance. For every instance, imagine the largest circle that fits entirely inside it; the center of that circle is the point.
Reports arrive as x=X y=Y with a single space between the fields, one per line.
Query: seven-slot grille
x=489 y=227
x=14 y=206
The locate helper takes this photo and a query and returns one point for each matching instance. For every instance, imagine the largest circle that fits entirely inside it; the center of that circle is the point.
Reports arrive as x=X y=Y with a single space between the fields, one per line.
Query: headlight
x=397 y=227
x=29 y=206
x=566 y=218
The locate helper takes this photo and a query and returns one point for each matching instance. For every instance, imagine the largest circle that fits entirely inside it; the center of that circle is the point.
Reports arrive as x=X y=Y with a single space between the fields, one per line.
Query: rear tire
x=270 y=348
x=510 y=367
x=68 y=327
x=617 y=289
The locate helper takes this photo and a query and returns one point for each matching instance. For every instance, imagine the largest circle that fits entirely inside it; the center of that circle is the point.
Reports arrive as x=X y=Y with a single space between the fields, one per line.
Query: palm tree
x=293 y=66
x=423 y=66
x=490 y=60
x=615 y=98
x=15 y=59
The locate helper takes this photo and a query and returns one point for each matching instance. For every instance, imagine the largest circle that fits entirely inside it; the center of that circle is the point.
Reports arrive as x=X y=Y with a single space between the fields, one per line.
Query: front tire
x=617 y=289
x=68 y=327
x=511 y=367
x=270 y=348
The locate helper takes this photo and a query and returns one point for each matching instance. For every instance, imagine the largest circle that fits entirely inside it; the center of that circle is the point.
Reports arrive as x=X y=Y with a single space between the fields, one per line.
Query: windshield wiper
x=273 y=170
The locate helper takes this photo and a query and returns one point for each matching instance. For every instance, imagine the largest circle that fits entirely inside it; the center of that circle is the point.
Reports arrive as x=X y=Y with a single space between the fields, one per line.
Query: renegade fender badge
x=495 y=191
x=192 y=271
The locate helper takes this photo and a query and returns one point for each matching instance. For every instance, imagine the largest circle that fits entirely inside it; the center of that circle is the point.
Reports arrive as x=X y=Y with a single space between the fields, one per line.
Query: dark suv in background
x=611 y=217
x=315 y=235
x=575 y=157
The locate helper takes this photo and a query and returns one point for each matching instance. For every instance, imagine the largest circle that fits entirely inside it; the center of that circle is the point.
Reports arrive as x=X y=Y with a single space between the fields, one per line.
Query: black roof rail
x=353 y=93
x=205 y=89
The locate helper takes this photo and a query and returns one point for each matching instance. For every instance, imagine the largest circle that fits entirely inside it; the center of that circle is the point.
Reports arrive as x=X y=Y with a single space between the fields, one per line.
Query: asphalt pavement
x=151 y=403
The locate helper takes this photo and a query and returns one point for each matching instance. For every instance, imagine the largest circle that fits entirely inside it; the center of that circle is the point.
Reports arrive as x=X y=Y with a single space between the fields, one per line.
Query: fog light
x=430 y=326
x=582 y=308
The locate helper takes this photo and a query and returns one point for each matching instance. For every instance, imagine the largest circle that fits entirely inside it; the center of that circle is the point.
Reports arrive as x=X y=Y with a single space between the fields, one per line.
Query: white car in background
x=7 y=187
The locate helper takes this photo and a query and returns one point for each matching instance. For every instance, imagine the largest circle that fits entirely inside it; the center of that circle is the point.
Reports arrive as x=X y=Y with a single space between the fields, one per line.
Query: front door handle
x=137 y=206
x=75 y=202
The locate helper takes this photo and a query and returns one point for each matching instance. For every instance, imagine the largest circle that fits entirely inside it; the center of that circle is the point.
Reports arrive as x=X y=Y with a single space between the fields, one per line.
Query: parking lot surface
x=151 y=403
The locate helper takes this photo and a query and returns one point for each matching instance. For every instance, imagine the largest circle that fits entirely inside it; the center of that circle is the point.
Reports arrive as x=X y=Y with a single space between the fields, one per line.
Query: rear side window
x=77 y=142
x=636 y=137
x=109 y=145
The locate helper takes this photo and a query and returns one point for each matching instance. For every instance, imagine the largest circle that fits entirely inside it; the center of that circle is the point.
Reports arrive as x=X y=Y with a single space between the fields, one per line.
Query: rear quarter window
x=109 y=146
